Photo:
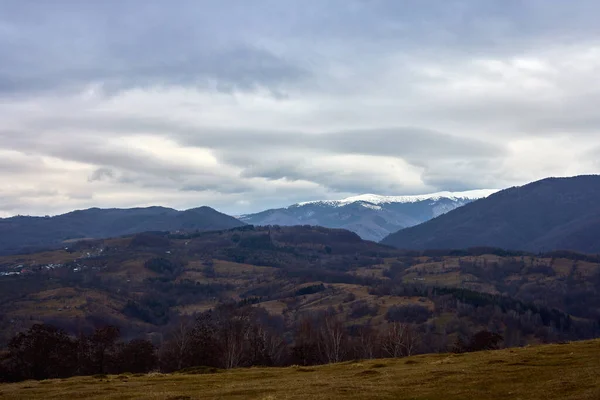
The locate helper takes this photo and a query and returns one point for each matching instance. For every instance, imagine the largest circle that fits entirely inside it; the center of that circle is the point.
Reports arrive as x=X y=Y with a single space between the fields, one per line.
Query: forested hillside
x=29 y=234
x=551 y=214
x=294 y=290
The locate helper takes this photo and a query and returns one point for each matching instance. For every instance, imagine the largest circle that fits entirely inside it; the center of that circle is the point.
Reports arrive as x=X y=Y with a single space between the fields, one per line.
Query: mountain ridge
x=372 y=217
x=549 y=214
x=26 y=233
x=379 y=199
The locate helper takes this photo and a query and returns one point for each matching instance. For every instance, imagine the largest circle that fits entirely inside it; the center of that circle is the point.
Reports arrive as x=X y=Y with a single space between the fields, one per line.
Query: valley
x=216 y=294
x=146 y=282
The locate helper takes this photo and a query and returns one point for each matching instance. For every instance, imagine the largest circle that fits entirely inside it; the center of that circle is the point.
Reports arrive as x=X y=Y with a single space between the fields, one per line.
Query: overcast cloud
x=247 y=105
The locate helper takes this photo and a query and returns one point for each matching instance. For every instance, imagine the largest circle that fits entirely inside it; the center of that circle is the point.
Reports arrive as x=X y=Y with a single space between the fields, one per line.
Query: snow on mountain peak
x=378 y=199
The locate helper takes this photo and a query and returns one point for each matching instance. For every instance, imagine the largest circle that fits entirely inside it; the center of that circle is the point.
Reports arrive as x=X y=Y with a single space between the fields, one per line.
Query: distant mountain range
x=372 y=217
x=19 y=234
x=551 y=214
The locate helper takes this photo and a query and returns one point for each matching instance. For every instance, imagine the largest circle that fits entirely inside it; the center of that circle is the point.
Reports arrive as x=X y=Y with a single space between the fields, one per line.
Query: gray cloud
x=92 y=150
x=17 y=167
x=408 y=142
x=245 y=106
x=100 y=174
x=256 y=154
x=233 y=45
x=123 y=45
x=227 y=187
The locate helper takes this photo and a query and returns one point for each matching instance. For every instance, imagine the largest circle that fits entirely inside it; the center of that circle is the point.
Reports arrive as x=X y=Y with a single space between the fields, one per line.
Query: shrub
x=310 y=290
x=362 y=308
x=410 y=313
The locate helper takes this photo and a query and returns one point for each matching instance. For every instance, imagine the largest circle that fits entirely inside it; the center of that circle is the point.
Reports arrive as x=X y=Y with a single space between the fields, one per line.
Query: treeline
x=518 y=320
x=230 y=336
x=46 y=352
x=480 y=251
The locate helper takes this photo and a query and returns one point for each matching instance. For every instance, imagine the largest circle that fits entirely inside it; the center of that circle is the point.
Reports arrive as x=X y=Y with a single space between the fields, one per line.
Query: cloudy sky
x=246 y=105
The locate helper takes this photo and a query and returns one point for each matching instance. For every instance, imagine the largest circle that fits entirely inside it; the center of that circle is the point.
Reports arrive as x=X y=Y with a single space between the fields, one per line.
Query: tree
x=400 y=340
x=233 y=335
x=305 y=350
x=137 y=356
x=102 y=346
x=333 y=339
x=411 y=313
x=180 y=343
x=485 y=340
x=367 y=342
x=204 y=348
x=42 y=352
x=482 y=340
x=266 y=348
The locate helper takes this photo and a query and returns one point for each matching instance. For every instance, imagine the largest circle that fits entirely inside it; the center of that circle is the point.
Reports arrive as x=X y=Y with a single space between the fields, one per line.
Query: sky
x=248 y=105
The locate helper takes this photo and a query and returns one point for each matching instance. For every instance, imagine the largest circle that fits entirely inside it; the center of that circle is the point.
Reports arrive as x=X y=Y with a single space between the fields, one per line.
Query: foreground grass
x=568 y=371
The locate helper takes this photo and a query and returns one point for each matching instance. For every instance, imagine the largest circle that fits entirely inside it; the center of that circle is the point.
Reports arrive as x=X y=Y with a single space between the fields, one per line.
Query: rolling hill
x=24 y=233
x=372 y=217
x=550 y=214
x=146 y=282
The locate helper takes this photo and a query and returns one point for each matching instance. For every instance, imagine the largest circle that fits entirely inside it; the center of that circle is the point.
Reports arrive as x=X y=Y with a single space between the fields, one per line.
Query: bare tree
x=233 y=333
x=333 y=343
x=306 y=349
x=181 y=341
x=400 y=340
x=276 y=348
x=266 y=347
x=392 y=340
x=366 y=342
x=232 y=340
x=412 y=340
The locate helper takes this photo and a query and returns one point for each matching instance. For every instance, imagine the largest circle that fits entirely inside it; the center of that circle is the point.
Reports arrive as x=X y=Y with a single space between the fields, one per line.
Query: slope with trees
x=22 y=233
x=302 y=295
x=551 y=214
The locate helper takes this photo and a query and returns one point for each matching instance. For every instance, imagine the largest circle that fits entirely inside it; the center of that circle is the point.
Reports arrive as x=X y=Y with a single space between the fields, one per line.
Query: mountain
x=371 y=216
x=551 y=214
x=24 y=233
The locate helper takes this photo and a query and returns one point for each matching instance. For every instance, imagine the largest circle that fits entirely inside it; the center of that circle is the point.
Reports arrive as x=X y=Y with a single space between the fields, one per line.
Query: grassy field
x=568 y=371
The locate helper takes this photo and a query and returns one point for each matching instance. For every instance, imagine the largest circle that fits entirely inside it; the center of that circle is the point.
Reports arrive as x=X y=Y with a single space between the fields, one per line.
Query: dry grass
x=568 y=371
x=66 y=302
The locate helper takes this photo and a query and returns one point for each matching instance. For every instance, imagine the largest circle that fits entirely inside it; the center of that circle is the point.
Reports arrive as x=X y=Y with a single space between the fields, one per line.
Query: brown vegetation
x=293 y=278
x=567 y=371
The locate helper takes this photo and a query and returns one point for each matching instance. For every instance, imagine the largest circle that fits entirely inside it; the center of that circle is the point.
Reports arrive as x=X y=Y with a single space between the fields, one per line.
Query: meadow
x=556 y=371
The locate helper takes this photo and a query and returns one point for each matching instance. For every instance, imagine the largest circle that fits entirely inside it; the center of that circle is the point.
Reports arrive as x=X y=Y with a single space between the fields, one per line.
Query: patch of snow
x=378 y=199
x=371 y=206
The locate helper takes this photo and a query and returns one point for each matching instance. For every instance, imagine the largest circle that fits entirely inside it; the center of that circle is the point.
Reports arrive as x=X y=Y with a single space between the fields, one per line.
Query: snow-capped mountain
x=371 y=216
